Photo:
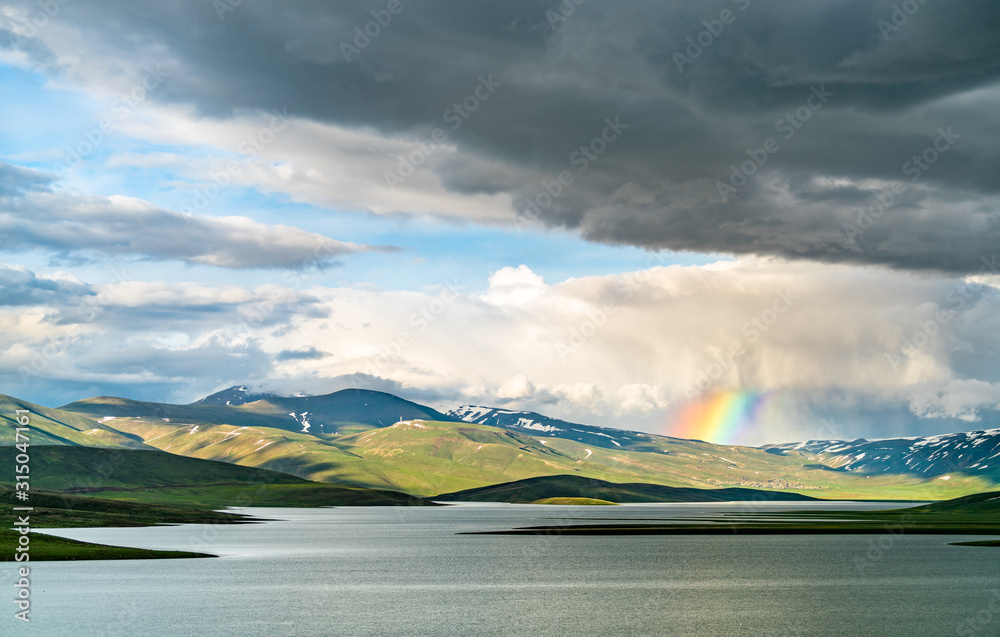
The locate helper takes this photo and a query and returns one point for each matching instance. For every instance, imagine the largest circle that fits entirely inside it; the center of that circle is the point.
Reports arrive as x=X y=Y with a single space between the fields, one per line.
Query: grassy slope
x=157 y=477
x=47 y=548
x=428 y=458
x=551 y=487
x=59 y=510
x=978 y=503
x=57 y=427
x=92 y=469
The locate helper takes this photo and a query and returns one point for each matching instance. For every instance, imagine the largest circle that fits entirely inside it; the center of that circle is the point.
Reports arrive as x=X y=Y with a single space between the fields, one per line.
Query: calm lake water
x=404 y=571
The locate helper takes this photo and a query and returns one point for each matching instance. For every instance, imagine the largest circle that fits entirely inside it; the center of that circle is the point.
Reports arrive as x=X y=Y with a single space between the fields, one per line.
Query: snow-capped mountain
x=234 y=396
x=328 y=413
x=971 y=452
x=543 y=426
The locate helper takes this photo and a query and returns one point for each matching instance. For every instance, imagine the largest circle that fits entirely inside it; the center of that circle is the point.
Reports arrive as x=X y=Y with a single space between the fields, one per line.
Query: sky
x=602 y=212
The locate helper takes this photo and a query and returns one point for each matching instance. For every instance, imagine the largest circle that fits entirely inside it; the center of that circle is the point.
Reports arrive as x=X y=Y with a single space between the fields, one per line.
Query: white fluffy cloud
x=960 y=398
x=619 y=350
x=626 y=348
x=514 y=286
x=516 y=387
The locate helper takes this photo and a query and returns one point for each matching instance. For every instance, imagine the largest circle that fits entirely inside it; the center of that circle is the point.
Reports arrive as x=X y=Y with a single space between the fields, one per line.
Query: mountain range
x=377 y=440
x=545 y=427
x=975 y=453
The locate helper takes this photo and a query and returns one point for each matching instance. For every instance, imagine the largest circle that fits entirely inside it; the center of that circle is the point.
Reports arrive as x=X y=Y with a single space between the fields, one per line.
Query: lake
x=404 y=571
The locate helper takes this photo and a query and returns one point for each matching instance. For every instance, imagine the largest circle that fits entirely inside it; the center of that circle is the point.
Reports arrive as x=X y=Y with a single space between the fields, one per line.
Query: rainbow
x=723 y=417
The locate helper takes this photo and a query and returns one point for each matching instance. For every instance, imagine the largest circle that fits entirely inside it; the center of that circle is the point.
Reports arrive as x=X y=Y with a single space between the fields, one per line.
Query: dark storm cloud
x=698 y=85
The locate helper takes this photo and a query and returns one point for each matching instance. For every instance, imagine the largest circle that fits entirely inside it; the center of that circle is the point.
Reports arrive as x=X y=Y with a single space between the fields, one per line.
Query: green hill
x=168 y=479
x=557 y=487
x=88 y=469
x=58 y=427
x=341 y=438
x=59 y=510
x=51 y=509
x=979 y=503
x=428 y=458
x=48 y=548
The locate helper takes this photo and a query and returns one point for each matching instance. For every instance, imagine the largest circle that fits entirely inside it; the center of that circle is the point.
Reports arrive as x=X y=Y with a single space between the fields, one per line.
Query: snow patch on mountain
x=303 y=420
